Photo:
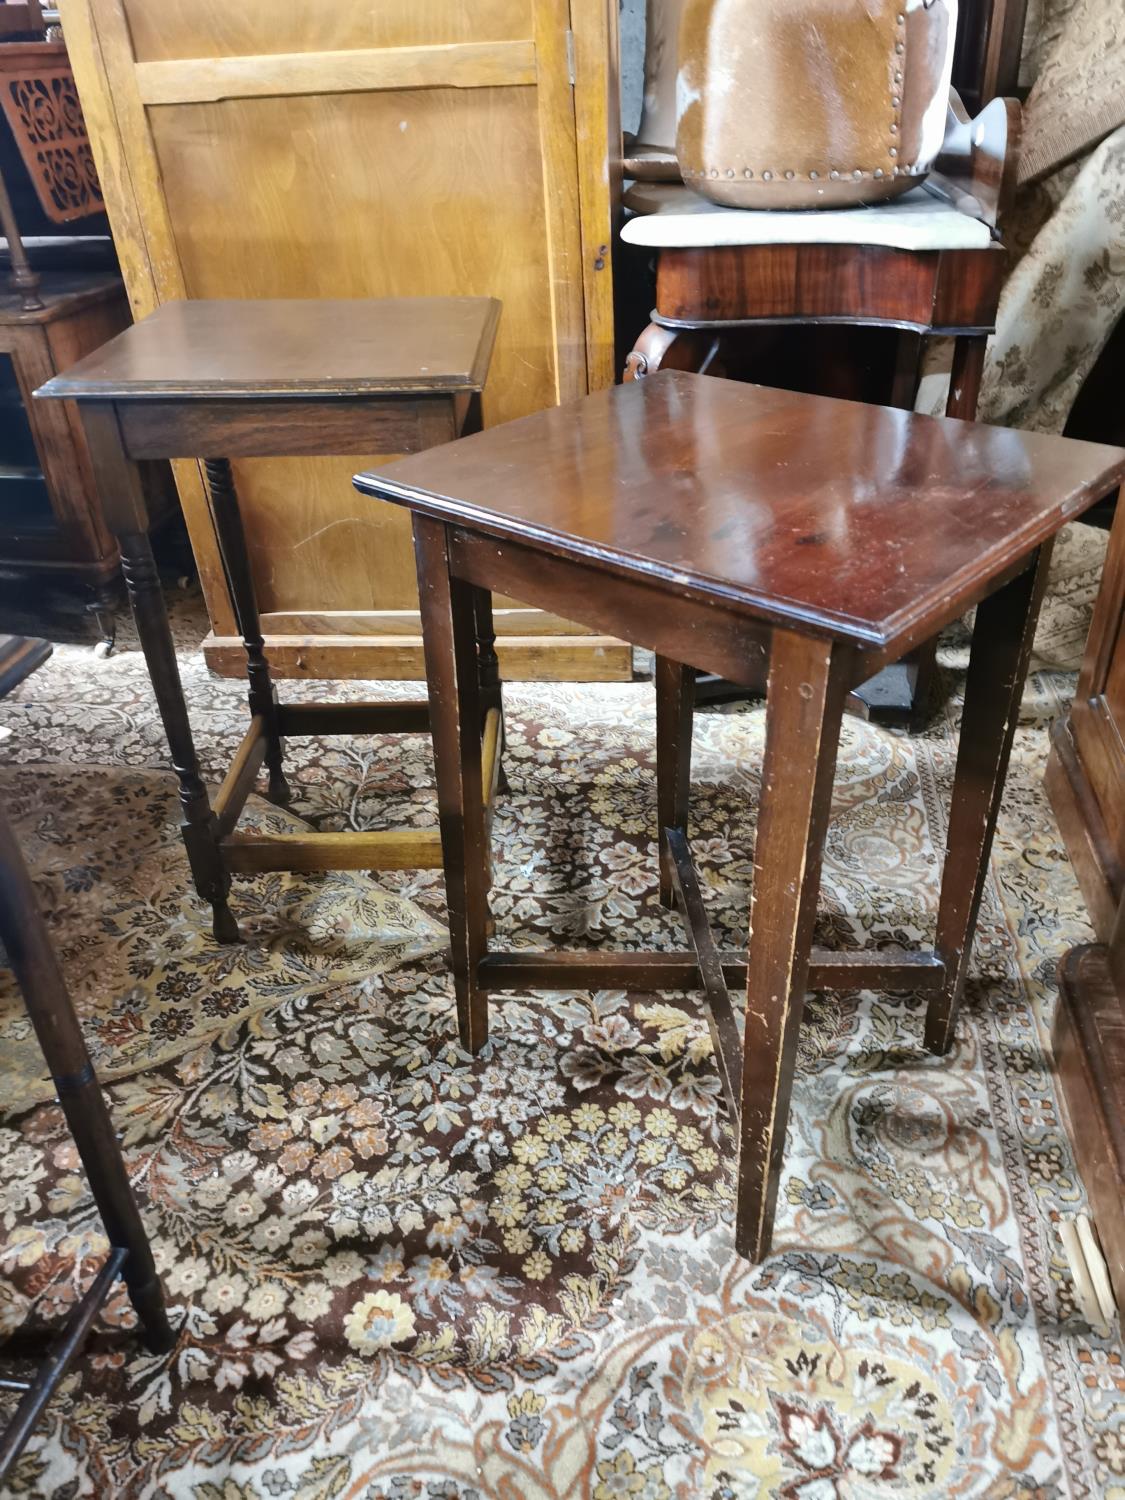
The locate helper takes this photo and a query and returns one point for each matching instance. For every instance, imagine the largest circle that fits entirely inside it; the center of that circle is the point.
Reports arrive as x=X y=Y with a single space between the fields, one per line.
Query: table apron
x=283 y=427
x=687 y=630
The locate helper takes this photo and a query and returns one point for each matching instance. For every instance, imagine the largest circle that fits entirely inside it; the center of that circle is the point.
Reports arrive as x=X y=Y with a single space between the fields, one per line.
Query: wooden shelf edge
x=540 y=658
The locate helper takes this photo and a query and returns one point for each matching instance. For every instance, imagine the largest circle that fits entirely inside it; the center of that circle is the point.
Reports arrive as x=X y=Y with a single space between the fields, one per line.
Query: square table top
x=310 y=347
x=860 y=522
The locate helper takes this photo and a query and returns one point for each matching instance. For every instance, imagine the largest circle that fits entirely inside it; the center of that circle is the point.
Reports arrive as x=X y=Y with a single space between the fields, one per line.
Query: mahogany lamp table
x=723 y=526
x=253 y=379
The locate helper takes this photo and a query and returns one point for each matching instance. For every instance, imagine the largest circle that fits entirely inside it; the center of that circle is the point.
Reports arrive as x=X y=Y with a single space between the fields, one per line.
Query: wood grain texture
x=78 y=311
x=453 y=65
x=1001 y=649
x=818 y=521
x=1088 y=1040
x=804 y=704
x=1097 y=717
x=597 y=112
x=855 y=521
x=292 y=347
x=212 y=28
x=99 y=49
x=533 y=658
x=449 y=628
x=347 y=194
x=1086 y=770
x=675 y=698
x=924 y=290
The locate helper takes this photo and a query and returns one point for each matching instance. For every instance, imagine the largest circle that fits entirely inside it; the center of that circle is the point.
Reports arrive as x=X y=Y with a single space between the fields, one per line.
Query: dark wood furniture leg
x=449 y=625
x=660 y=348
x=28 y=947
x=1001 y=647
x=675 y=698
x=964 y=392
x=231 y=538
x=127 y=515
x=804 y=705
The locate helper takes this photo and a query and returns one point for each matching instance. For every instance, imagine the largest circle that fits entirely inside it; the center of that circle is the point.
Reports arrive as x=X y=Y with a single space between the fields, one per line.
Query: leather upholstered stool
x=276 y=379
x=727 y=527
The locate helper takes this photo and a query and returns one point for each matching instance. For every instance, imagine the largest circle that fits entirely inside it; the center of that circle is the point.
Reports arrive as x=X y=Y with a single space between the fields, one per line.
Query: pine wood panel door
x=277 y=148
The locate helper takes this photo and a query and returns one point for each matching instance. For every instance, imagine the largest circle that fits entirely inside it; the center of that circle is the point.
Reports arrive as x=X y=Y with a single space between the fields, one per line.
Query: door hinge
x=570 y=58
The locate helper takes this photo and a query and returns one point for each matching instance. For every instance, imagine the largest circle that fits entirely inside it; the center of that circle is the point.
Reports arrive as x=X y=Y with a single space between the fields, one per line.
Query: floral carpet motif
x=145 y=974
x=402 y=1273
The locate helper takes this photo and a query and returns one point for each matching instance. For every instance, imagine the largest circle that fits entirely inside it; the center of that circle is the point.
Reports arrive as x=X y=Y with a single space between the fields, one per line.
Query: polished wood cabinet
x=51 y=522
x=1086 y=770
x=286 y=150
x=1086 y=781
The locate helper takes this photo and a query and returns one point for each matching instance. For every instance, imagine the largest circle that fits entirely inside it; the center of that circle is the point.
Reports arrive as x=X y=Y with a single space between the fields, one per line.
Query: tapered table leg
x=449 y=625
x=28 y=946
x=675 y=701
x=231 y=537
x=804 y=705
x=1001 y=648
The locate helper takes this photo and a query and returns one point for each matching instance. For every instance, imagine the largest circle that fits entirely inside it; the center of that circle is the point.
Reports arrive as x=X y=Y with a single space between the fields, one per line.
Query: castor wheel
x=104 y=649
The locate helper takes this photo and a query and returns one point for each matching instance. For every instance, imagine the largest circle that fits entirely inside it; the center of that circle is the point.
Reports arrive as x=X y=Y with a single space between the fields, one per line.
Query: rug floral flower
x=146 y=976
x=398 y=1272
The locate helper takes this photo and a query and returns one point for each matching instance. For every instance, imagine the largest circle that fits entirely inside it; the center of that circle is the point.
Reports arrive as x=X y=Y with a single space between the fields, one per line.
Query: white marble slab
x=680 y=219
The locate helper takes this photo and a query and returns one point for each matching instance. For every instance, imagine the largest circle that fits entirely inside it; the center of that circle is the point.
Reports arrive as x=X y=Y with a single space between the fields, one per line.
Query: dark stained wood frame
x=24 y=935
x=122 y=429
x=810 y=676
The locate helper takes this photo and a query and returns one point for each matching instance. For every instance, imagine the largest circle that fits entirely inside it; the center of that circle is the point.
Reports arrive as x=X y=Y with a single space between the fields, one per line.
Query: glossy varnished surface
x=310 y=347
x=856 y=520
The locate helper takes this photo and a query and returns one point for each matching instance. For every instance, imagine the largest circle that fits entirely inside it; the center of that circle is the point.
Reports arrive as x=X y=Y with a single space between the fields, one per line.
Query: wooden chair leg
x=675 y=701
x=28 y=946
x=449 y=638
x=200 y=833
x=1001 y=648
x=236 y=562
x=804 y=706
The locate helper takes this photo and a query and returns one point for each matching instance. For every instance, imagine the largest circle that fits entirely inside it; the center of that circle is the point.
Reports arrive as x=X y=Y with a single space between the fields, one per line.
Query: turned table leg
x=1001 y=648
x=675 y=699
x=28 y=946
x=804 y=705
x=231 y=537
x=123 y=503
x=449 y=625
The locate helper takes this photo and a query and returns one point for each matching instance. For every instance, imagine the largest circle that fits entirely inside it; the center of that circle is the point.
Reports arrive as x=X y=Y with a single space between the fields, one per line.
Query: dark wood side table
x=709 y=296
x=27 y=945
x=265 y=379
x=716 y=522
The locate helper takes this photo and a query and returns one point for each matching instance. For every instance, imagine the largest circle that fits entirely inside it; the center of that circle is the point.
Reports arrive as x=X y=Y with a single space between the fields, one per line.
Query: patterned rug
x=400 y=1273
x=146 y=976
